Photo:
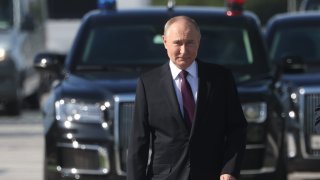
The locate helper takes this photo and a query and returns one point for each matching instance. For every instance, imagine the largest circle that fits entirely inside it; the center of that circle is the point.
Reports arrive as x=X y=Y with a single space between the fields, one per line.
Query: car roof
x=197 y=11
x=296 y=18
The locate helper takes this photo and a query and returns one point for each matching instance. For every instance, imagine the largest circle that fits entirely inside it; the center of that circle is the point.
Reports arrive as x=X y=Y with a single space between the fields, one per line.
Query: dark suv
x=294 y=42
x=89 y=111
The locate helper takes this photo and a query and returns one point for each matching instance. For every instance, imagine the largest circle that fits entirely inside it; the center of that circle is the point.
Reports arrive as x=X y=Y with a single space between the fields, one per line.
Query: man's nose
x=183 y=49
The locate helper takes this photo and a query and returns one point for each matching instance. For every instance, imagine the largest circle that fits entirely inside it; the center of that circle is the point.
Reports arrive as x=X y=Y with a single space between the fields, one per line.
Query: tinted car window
x=310 y=5
x=123 y=45
x=300 y=41
x=6 y=14
x=227 y=46
x=119 y=45
x=141 y=45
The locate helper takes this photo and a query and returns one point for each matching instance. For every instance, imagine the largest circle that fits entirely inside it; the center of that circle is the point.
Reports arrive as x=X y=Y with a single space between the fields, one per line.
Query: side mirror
x=49 y=62
x=289 y=64
x=28 y=23
x=292 y=64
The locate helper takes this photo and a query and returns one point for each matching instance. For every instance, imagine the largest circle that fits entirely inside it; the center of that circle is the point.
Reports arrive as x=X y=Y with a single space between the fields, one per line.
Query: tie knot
x=183 y=74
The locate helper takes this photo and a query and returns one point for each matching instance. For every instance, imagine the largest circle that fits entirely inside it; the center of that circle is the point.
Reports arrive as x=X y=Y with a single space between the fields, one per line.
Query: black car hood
x=302 y=79
x=98 y=85
x=259 y=86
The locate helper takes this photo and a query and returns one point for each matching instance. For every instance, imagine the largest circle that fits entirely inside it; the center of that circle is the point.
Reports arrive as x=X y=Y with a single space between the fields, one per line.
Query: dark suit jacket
x=317 y=119
x=214 y=145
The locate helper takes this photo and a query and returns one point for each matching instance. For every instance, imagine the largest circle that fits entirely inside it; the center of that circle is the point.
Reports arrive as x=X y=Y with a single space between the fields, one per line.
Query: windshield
x=312 y=5
x=226 y=46
x=6 y=14
x=299 y=41
x=123 y=45
x=119 y=47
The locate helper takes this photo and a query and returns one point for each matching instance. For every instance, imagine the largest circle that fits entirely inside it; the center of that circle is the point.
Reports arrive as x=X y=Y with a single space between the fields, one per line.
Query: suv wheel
x=14 y=107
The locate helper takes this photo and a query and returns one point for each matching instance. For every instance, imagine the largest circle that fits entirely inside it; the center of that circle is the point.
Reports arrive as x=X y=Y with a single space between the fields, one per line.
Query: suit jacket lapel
x=170 y=93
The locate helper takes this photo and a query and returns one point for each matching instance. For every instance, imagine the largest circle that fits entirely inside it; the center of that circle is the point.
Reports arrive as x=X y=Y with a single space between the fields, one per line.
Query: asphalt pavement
x=21 y=146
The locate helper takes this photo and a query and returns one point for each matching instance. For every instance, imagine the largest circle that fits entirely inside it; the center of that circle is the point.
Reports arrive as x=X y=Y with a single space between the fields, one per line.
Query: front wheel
x=14 y=106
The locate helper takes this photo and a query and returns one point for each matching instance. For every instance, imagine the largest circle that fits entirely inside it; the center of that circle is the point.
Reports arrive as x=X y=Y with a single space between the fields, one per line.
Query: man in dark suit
x=187 y=114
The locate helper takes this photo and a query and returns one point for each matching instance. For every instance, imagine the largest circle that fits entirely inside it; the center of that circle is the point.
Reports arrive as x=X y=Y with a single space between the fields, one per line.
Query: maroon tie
x=187 y=98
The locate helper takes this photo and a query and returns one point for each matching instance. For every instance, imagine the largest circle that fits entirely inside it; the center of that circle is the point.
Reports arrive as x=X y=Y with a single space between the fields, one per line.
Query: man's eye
x=190 y=42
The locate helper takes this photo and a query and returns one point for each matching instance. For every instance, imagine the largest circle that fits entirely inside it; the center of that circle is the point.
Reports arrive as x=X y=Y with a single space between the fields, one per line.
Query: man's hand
x=227 y=177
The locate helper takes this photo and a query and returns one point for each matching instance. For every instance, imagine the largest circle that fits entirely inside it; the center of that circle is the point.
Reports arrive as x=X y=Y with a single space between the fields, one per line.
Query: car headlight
x=73 y=110
x=2 y=54
x=255 y=112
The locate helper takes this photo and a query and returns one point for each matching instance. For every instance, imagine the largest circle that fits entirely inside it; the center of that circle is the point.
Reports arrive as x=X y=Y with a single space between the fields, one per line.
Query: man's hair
x=177 y=18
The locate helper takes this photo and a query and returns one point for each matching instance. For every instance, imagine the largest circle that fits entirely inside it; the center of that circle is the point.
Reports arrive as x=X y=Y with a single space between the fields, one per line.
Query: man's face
x=182 y=43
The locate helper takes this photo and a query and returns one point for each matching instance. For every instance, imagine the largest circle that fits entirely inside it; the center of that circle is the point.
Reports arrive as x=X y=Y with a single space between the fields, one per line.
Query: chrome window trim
x=103 y=152
x=302 y=91
x=68 y=172
x=263 y=170
x=255 y=146
x=291 y=145
x=118 y=99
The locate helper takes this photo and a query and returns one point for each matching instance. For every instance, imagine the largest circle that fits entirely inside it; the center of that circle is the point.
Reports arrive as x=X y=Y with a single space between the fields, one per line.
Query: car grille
x=79 y=159
x=83 y=159
x=124 y=111
x=310 y=98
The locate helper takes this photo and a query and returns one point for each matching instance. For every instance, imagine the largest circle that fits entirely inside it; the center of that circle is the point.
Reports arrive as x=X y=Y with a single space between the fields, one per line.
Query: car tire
x=32 y=101
x=14 y=107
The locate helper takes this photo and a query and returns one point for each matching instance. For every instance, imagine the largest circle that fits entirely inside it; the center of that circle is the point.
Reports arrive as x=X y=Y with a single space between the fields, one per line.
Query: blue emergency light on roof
x=234 y=7
x=107 y=4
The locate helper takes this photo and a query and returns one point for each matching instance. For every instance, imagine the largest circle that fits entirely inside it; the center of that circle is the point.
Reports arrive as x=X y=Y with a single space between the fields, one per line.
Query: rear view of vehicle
x=294 y=42
x=90 y=111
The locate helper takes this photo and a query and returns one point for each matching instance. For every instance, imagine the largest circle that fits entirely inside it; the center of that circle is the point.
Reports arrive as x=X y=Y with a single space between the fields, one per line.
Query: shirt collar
x=192 y=70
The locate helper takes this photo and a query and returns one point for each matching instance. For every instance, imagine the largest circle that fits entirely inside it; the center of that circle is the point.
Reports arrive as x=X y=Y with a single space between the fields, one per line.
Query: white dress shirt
x=192 y=79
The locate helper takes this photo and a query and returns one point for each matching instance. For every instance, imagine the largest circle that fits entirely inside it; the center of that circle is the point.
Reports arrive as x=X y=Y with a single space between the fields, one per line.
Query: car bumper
x=255 y=166
x=299 y=159
x=303 y=165
x=262 y=174
x=304 y=175
x=81 y=150
x=262 y=154
x=59 y=176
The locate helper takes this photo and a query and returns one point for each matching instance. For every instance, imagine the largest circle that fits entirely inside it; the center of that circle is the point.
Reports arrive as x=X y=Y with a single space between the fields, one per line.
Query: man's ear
x=164 y=41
